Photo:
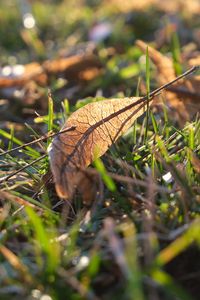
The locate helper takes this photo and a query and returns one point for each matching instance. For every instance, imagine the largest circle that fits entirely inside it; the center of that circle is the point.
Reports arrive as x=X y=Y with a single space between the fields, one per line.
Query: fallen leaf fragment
x=183 y=98
x=97 y=126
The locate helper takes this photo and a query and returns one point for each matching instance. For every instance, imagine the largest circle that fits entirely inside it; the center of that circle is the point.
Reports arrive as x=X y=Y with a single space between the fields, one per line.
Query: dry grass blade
x=116 y=246
x=97 y=126
x=195 y=162
x=16 y=264
x=17 y=200
x=77 y=285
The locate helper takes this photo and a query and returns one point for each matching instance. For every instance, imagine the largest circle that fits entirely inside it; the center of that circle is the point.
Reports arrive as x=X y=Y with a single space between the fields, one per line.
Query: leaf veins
x=96 y=126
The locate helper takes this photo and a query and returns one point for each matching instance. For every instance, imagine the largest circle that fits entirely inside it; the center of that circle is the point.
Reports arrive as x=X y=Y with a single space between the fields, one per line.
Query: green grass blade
x=45 y=241
x=180 y=244
x=15 y=140
x=105 y=177
x=50 y=115
x=154 y=122
x=134 y=284
x=148 y=92
x=10 y=145
x=176 y=53
x=166 y=281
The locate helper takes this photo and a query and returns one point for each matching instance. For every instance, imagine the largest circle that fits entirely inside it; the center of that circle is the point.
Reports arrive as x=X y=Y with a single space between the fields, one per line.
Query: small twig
x=126 y=179
x=143 y=101
x=184 y=92
x=165 y=86
x=43 y=138
x=5 y=178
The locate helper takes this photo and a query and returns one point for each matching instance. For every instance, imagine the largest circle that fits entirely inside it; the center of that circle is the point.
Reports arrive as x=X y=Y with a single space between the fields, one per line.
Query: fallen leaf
x=183 y=98
x=19 y=75
x=72 y=67
x=26 y=83
x=97 y=126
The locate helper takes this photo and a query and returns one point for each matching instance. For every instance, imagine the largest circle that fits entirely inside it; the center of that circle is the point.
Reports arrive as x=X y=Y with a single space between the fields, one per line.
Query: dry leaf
x=183 y=99
x=72 y=67
x=19 y=75
x=97 y=126
x=24 y=82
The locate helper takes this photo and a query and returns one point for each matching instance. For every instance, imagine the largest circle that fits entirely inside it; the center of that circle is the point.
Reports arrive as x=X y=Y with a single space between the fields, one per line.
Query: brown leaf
x=72 y=67
x=20 y=75
x=24 y=82
x=183 y=99
x=97 y=126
